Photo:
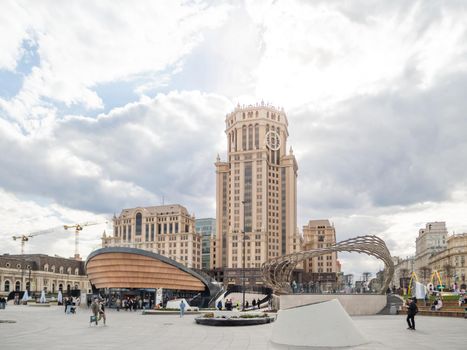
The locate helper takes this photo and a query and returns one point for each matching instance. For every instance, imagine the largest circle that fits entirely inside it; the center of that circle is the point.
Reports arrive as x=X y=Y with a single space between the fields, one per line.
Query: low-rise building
x=37 y=272
x=451 y=262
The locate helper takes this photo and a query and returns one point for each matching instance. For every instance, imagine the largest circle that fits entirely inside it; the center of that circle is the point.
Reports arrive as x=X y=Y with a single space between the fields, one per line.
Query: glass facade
x=207 y=229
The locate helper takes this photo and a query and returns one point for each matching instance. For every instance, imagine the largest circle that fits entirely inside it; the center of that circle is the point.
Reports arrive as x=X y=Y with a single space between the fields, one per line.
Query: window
x=6 y=286
x=244 y=138
x=256 y=136
x=17 y=286
x=139 y=220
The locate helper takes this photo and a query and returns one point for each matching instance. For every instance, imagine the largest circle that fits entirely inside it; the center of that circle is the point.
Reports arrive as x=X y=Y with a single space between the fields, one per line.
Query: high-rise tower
x=256 y=190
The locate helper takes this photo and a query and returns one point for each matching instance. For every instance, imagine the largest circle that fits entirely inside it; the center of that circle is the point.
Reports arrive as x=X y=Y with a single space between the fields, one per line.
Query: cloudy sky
x=119 y=104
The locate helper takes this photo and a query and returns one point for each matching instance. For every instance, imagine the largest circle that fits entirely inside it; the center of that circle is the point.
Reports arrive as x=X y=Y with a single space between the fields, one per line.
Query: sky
x=116 y=104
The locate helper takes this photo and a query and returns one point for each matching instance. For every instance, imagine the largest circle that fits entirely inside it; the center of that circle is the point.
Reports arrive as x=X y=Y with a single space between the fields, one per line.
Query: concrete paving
x=50 y=328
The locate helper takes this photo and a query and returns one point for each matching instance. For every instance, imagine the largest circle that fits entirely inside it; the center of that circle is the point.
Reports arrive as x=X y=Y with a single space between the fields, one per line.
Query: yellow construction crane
x=79 y=227
x=25 y=238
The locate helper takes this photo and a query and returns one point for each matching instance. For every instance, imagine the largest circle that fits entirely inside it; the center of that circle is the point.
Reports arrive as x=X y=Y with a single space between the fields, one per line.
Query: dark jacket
x=412 y=309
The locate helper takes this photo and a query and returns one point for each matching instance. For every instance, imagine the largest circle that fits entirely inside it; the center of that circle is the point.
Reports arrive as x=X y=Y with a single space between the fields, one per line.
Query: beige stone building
x=320 y=234
x=256 y=191
x=168 y=230
x=431 y=240
x=37 y=272
x=451 y=262
x=322 y=269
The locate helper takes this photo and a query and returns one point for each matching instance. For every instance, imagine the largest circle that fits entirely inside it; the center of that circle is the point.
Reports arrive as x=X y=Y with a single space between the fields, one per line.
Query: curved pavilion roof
x=122 y=267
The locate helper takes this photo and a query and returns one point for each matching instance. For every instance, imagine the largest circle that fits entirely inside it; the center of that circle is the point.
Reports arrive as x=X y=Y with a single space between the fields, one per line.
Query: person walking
x=219 y=305
x=101 y=312
x=182 y=308
x=95 y=310
x=412 y=310
x=119 y=303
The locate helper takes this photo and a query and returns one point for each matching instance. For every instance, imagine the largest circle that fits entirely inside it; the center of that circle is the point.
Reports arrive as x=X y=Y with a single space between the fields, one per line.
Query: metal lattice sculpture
x=277 y=272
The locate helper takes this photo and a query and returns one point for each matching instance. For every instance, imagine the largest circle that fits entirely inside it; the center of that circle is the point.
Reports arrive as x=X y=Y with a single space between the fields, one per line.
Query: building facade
x=451 y=262
x=256 y=191
x=322 y=269
x=37 y=272
x=207 y=229
x=168 y=230
x=431 y=240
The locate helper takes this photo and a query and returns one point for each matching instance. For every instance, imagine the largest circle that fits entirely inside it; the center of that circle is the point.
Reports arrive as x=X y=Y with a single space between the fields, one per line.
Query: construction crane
x=25 y=238
x=79 y=227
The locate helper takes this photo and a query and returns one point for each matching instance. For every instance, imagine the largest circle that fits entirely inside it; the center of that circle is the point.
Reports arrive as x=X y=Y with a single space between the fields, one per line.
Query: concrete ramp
x=320 y=325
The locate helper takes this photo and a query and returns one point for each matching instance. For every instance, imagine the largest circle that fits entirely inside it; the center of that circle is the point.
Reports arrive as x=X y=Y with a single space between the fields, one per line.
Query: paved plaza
x=49 y=328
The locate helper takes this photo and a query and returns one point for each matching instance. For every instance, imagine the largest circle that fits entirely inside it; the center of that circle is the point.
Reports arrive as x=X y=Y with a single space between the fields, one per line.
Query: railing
x=305 y=288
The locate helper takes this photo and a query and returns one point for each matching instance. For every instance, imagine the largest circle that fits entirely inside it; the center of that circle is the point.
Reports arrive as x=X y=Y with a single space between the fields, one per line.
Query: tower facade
x=320 y=234
x=256 y=190
x=431 y=240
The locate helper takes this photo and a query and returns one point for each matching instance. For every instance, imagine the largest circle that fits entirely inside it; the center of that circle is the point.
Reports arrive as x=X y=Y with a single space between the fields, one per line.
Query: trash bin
x=393 y=309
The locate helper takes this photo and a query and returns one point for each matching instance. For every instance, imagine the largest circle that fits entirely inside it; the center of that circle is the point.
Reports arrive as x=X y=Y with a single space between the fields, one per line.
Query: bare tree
x=366 y=276
x=425 y=272
x=404 y=273
x=448 y=270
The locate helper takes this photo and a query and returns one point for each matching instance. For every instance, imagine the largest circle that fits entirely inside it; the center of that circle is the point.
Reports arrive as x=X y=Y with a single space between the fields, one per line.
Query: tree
x=403 y=277
x=425 y=272
x=448 y=270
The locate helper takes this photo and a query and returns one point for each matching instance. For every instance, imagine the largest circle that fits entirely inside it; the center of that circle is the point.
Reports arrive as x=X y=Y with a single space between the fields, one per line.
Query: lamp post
x=29 y=279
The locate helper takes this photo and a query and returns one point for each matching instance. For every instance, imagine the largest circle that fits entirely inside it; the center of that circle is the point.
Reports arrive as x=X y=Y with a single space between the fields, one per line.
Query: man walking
x=412 y=310
x=95 y=310
x=182 y=308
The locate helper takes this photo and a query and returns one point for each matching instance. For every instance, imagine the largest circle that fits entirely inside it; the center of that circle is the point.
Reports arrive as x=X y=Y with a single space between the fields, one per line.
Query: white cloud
x=330 y=51
x=23 y=217
x=135 y=155
x=81 y=46
x=374 y=93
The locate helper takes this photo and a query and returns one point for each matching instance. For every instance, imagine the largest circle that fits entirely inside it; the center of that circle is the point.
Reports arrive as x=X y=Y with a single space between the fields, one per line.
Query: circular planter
x=161 y=312
x=229 y=322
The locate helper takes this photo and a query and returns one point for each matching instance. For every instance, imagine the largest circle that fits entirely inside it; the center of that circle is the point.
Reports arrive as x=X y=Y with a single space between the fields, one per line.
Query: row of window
x=18 y=266
x=7 y=286
x=60 y=270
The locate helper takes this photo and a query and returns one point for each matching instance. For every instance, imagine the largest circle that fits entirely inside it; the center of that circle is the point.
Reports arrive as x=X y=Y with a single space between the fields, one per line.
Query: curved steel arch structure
x=277 y=271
